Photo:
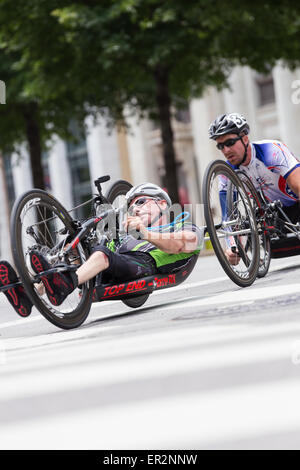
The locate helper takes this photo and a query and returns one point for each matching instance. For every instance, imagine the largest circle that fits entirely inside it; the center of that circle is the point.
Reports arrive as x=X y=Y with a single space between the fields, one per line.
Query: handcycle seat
x=145 y=285
x=285 y=248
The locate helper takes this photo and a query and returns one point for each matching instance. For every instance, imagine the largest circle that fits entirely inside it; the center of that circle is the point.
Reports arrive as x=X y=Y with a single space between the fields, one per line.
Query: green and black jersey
x=130 y=245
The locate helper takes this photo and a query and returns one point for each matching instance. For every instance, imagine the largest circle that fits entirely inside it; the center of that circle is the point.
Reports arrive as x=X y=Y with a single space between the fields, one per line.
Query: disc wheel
x=116 y=193
x=39 y=222
x=231 y=222
x=116 y=197
x=264 y=237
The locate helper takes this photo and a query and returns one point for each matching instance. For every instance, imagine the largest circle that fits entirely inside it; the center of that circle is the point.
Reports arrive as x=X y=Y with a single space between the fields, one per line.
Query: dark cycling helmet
x=148 y=189
x=232 y=123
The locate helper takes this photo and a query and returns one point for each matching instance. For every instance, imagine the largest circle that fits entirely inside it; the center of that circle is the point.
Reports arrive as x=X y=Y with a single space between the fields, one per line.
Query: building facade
x=70 y=169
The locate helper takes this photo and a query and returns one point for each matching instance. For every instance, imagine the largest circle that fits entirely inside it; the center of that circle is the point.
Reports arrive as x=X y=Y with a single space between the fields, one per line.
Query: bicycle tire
x=214 y=169
x=55 y=315
x=118 y=188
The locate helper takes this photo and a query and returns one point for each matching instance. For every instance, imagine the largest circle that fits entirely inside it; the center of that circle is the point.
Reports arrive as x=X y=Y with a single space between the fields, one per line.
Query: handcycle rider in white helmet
x=134 y=257
x=268 y=163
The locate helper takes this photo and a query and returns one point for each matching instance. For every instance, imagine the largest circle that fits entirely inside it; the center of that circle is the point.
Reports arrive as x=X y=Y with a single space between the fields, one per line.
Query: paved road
x=204 y=365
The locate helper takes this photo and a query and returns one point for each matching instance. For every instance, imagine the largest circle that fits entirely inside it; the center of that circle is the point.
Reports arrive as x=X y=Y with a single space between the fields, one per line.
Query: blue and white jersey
x=271 y=164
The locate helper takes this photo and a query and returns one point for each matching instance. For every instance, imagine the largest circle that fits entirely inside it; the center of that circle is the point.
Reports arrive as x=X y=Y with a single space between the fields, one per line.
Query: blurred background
x=129 y=88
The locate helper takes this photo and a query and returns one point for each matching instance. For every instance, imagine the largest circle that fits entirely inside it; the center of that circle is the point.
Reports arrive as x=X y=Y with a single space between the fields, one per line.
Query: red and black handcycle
x=40 y=222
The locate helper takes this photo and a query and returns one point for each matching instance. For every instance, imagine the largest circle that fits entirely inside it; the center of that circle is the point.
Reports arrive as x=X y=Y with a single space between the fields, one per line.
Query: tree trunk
x=163 y=101
x=30 y=113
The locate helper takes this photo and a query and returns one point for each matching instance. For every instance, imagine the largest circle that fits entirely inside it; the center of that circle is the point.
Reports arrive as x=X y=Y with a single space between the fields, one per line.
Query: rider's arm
x=183 y=241
x=277 y=157
x=293 y=181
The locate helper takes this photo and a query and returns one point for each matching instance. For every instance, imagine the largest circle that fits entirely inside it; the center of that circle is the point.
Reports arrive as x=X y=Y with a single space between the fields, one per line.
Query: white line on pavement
x=99 y=348
x=197 y=420
x=244 y=295
x=117 y=371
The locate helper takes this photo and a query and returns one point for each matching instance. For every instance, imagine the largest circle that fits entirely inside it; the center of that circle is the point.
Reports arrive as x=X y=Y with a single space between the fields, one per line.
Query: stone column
x=235 y=98
x=203 y=112
x=124 y=155
x=251 y=99
x=21 y=170
x=141 y=161
x=60 y=176
x=287 y=111
x=103 y=152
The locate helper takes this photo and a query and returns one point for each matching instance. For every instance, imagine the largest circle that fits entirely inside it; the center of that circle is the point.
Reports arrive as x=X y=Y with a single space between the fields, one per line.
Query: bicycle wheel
x=231 y=222
x=264 y=237
x=40 y=222
x=116 y=196
x=116 y=193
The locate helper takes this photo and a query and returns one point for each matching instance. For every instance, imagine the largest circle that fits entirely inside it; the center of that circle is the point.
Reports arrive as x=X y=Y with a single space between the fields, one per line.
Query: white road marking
x=244 y=295
x=20 y=360
x=184 y=422
x=80 y=376
x=21 y=321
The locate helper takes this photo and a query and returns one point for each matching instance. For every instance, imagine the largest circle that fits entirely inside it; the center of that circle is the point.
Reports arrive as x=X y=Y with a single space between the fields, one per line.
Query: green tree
x=18 y=119
x=33 y=112
x=146 y=54
x=159 y=54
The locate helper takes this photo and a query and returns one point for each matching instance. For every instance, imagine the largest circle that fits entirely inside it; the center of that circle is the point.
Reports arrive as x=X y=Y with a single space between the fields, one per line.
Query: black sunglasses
x=141 y=201
x=227 y=143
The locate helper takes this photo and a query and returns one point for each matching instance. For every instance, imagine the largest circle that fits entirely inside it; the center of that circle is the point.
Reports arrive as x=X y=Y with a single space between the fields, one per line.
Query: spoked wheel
x=116 y=196
x=231 y=222
x=39 y=222
x=264 y=237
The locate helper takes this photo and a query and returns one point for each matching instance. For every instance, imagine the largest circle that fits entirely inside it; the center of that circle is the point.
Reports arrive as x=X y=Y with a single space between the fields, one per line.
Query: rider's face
x=235 y=153
x=148 y=210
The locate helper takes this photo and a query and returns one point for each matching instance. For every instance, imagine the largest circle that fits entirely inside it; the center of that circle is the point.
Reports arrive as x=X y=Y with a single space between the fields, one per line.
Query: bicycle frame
x=272 y=212
x=142 y=286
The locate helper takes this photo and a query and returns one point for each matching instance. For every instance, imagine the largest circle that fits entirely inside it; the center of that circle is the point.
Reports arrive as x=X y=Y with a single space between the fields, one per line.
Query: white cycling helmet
x=148 y=189
x=232 y=123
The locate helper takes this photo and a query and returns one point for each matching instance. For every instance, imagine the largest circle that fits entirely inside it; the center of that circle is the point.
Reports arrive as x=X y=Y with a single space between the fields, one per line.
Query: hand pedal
x=102 y=179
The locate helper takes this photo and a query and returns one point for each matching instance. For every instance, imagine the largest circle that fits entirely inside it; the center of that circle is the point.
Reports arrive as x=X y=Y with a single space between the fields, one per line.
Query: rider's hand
x=233 y=258
x=135 y=224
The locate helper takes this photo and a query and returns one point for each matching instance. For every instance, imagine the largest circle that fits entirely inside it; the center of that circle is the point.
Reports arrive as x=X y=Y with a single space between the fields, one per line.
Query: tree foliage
x=146 y=55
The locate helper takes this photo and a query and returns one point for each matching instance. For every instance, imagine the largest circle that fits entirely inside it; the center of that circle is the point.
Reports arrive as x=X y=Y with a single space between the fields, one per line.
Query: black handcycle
x=240 y=218
x=40 y=222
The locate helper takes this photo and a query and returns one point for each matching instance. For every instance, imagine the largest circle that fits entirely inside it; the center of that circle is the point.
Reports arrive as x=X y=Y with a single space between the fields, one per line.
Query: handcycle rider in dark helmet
x=268 y=163
x=153 y=251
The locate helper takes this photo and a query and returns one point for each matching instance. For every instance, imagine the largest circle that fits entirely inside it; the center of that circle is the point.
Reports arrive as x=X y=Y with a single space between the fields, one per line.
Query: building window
x=183 y=115
x=80 y=172
x=266 y=92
